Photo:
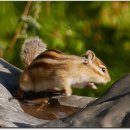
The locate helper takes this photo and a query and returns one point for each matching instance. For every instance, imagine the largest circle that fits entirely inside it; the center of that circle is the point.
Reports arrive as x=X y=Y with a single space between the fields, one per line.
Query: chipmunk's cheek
x=101 y=81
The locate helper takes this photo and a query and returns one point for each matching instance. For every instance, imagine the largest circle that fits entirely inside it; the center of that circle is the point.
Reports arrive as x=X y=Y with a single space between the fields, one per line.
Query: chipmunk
x=49 y=69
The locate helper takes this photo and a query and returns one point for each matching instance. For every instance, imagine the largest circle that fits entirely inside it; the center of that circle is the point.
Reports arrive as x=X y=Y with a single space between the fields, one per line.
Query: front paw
x=92 y=85
x=68 y=92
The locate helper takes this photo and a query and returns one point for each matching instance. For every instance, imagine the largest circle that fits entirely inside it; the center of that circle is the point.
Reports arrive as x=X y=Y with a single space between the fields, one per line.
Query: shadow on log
x=110 y=110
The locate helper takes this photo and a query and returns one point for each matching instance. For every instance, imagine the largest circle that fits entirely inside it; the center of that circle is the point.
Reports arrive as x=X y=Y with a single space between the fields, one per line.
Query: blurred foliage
x=72 y=27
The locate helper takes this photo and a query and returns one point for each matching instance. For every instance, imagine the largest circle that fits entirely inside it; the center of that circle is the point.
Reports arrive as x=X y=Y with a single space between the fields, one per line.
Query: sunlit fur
x=55 y=69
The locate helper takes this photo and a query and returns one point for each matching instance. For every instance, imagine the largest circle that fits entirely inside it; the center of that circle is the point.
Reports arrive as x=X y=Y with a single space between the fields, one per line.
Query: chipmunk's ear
x=91 y=56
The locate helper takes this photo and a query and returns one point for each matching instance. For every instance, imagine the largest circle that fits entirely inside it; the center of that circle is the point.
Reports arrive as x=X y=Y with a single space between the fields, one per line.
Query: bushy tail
x=31 y=48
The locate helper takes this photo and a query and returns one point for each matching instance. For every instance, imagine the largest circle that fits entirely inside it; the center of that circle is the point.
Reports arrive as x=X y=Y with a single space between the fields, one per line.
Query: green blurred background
x=72 y=27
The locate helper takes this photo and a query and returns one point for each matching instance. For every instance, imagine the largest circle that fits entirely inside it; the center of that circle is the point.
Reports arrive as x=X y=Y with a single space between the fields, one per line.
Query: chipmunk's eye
x=103 y=69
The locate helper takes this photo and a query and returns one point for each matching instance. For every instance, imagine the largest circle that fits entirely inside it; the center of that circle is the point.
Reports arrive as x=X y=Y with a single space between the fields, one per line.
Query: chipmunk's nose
x=109 y=78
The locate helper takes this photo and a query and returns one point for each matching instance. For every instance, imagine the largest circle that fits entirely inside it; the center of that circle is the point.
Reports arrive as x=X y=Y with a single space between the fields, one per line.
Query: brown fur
x=53 y=68
x=49 y=54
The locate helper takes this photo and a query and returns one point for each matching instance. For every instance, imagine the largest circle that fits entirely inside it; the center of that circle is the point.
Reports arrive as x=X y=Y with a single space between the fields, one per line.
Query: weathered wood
x=111 y=110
